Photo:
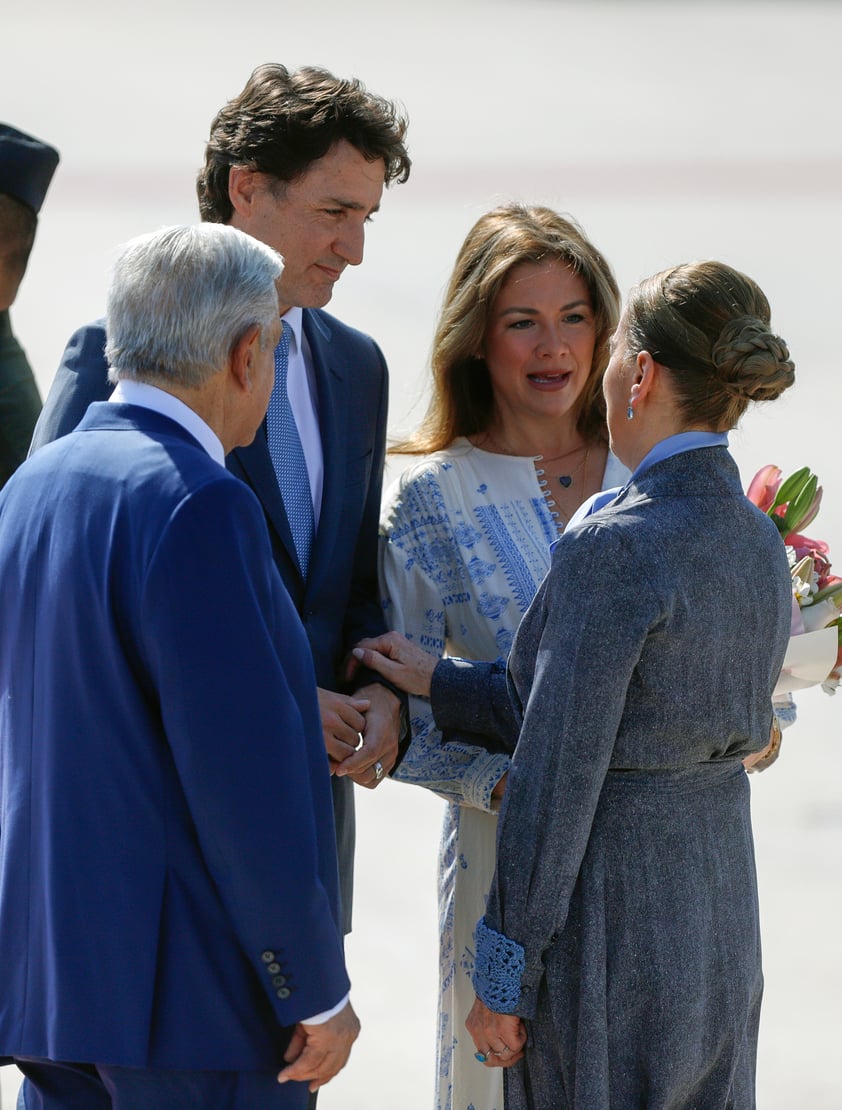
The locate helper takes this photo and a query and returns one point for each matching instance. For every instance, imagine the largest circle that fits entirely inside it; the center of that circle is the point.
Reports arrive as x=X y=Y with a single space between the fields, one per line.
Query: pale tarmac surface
x=671 y=132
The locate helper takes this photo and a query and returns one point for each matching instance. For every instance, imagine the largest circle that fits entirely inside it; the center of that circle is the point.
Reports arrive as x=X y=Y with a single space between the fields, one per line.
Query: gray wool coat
x=622 y=923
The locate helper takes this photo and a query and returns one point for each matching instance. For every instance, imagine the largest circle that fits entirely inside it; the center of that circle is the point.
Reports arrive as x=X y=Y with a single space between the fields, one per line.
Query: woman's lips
x=550 y=379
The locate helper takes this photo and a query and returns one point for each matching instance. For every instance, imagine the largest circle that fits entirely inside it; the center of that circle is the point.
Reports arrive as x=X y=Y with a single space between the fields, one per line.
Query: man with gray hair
x=169 y=901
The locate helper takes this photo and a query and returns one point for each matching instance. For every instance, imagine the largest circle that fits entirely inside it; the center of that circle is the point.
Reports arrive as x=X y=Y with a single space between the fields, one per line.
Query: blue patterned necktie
x=287 y=456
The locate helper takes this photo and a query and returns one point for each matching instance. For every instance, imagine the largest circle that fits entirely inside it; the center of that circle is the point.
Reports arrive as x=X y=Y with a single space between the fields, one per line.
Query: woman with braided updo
x=621 y=931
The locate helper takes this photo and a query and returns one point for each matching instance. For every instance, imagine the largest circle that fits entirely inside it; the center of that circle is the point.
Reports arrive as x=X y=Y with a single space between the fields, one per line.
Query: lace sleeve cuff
x=498 y=969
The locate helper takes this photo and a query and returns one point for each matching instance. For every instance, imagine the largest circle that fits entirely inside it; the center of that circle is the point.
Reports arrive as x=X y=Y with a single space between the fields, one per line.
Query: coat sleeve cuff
x=498 y=969
x=462 y=694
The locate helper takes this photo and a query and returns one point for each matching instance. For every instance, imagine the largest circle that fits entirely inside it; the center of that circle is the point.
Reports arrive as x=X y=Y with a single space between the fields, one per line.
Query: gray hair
x=180 y=298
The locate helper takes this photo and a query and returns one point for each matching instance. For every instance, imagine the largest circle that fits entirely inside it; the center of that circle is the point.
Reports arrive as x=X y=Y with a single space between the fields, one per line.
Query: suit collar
x=120 y=417
x=167 y=404
x=703 y=472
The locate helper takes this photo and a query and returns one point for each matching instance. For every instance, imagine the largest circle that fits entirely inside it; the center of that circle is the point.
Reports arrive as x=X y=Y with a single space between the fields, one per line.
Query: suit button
x=283 y=993
x=279 y=981
x=267 y=956
x=273 y=968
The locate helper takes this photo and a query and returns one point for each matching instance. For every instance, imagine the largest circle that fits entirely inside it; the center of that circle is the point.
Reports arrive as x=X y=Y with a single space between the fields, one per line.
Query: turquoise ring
x=481 y=1057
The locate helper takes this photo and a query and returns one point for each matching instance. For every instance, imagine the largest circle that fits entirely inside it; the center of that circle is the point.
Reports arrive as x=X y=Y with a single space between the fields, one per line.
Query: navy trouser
x=50 y=1085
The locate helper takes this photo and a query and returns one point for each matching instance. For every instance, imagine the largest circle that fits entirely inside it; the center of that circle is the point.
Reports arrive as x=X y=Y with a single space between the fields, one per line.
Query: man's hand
x=376 y=756
x=317 y=1053
x=500 y=1038
x=398 y=660
x=342 y=724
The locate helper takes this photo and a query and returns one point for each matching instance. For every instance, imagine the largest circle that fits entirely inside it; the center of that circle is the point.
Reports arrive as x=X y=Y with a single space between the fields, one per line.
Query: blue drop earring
x=630 y=411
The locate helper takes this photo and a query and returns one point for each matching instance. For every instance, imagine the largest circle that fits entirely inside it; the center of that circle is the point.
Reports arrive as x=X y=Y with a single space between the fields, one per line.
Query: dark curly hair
x=282 y=122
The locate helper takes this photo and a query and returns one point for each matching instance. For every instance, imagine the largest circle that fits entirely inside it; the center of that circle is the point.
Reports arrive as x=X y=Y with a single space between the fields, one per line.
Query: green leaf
x=800 y=504
x=789 y=488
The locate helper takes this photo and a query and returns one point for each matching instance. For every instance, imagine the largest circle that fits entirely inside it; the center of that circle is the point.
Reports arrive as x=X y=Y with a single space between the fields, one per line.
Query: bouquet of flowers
x=815 y=654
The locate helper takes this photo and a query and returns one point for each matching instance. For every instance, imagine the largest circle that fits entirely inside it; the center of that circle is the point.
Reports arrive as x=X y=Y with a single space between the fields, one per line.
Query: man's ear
x=244 y=356
x=242 y=186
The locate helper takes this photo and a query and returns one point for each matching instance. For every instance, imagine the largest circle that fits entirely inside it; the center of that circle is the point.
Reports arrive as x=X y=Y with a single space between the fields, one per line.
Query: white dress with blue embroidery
x=465 y=539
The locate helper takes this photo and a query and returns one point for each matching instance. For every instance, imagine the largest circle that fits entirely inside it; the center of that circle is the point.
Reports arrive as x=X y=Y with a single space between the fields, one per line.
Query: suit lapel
x=330 y=386
x=256 y=462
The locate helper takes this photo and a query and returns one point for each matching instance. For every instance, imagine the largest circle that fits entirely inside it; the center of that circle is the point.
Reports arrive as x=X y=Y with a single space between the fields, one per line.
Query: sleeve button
x=283 y=993
x=267 y=956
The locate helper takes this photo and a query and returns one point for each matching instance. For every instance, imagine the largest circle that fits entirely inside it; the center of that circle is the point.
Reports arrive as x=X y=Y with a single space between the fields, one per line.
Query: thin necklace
x=567 y=479
x=564 y=454
x=504 y=449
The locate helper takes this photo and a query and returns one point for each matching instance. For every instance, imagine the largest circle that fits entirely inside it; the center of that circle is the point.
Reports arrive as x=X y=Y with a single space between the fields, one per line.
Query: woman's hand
x=500 y=1038
x=759 y=761
x=398 y=660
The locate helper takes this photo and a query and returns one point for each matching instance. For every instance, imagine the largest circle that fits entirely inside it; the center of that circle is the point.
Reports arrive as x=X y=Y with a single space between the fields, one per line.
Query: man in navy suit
x=299 y=160
x=170 y=932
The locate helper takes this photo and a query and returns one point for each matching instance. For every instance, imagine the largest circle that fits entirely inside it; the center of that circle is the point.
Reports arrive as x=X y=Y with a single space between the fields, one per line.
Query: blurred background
x=671 y=132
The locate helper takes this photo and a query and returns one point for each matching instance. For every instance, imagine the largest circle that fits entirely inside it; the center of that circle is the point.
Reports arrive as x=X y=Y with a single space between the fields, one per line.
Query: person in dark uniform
x=26 y=170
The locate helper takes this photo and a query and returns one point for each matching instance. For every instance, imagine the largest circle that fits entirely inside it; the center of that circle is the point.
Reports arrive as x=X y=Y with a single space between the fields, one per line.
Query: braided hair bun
x=709 y=326
x=751 y=361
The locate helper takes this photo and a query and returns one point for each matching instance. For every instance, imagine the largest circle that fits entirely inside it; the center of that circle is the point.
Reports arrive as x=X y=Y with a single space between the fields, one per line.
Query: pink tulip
x=818 y=550
x=764 y=486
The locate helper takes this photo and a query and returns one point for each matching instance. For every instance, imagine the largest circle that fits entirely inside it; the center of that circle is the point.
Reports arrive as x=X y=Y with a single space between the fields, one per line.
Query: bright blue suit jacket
x=339 y=602
x=168 y=885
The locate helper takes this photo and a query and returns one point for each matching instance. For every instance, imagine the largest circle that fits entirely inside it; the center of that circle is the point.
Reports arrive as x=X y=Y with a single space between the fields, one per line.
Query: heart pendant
x=566 y=480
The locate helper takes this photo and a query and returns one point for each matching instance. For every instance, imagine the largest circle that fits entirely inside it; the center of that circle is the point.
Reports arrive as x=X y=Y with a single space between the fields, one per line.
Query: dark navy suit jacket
x=168 y=885
x=338 y=603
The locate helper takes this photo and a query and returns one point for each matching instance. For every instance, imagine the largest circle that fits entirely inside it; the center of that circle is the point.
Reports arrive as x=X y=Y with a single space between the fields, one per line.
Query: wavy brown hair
x=462 y=402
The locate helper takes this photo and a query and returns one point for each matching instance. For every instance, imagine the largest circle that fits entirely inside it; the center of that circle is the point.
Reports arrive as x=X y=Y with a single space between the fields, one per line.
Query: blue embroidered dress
x=465 y=538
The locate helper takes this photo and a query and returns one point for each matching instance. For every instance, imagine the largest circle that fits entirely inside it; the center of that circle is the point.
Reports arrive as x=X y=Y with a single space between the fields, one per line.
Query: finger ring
x=481 y=1057
x=378 y=771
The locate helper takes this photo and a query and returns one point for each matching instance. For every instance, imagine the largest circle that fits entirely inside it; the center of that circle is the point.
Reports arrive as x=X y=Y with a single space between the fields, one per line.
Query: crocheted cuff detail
x=498 y=971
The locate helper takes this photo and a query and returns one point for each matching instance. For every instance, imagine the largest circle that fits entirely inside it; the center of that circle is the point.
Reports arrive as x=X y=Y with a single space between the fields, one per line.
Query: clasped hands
x=361 y=732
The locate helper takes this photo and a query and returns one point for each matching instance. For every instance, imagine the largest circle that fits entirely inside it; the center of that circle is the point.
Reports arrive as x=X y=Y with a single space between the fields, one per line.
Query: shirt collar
x=148 y=396
x=675 y=445
x=293 y=319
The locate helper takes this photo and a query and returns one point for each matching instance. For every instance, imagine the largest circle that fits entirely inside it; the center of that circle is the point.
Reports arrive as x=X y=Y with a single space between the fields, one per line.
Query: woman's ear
x=645 y=376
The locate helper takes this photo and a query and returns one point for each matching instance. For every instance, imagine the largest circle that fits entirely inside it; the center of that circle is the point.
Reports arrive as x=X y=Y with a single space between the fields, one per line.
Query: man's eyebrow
x=351 y=205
